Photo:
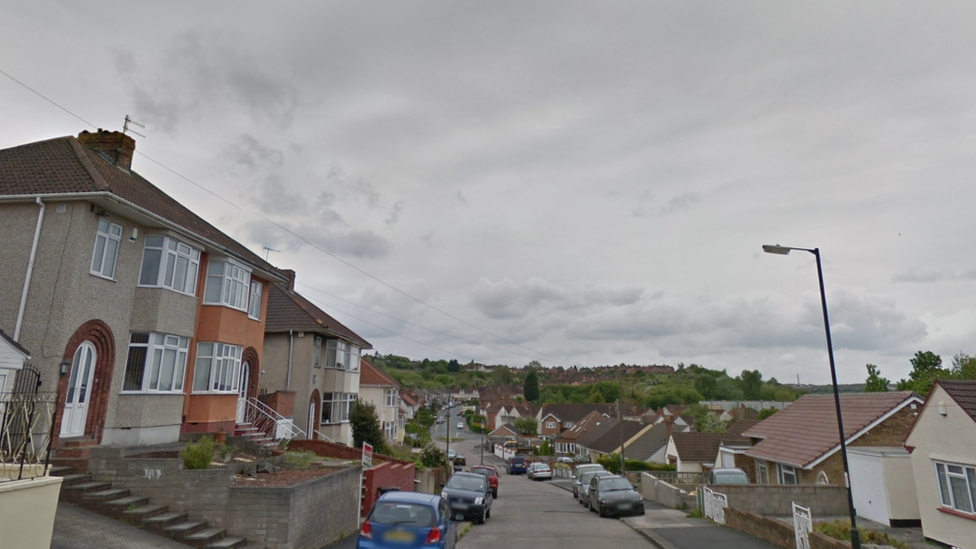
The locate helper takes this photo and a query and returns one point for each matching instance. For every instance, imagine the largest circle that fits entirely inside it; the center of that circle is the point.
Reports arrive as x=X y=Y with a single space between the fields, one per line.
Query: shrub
x=612 y=464
x=841 y=529
x=199 y=454
x=432 y=456
x=298 y=460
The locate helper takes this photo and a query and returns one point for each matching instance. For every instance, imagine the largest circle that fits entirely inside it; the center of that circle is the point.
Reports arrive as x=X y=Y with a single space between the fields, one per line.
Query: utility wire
x=300 y=237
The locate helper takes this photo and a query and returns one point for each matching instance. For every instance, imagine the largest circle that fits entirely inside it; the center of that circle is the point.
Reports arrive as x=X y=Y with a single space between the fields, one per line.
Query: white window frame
x=158 y=346
x=254 y=301
x=342 y=356
x=390 y=398
x=762 y=472
x=171 y=251
x=567 y=424
x=107 y=234
x=550 y=425
x=339 y=405
x=222 y=363
x=944 y=479
x=783 y=470
x=390 y=430
x=318 y=352
x=233 y=280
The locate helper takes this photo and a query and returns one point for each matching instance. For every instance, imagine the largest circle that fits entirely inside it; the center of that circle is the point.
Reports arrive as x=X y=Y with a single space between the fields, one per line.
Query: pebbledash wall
x=313 y=513
x=775 y=500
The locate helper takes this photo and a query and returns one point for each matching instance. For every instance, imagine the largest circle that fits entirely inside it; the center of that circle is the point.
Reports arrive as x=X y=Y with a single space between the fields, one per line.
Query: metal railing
x=674 y=477
x=26 y=428
x=273 y=425
x=319 y=436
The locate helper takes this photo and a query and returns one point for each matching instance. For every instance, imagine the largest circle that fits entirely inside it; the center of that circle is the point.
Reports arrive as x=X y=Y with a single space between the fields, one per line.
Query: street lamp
x=785 y=250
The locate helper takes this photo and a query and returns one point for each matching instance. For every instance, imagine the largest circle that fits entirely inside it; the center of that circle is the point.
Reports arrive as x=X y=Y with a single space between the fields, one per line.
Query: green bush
x=298 y=460
x=199 y=454
x=841 y=529
x=432 y=456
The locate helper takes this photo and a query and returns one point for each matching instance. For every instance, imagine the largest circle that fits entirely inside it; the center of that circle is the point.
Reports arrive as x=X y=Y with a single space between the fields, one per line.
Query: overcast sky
x=580 y=183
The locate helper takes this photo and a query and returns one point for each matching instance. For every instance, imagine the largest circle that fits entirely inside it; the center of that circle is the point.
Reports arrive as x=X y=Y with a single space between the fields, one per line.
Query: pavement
x=77 y=528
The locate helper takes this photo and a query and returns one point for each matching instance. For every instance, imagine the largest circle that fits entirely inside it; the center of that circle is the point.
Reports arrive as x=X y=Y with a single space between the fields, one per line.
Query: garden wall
x=666 y=494
x=777 y=532
x=776 y=499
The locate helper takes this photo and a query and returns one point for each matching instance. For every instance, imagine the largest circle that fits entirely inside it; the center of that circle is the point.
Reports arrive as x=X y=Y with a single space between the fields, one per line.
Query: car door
x=450 y=527
x=594 y=491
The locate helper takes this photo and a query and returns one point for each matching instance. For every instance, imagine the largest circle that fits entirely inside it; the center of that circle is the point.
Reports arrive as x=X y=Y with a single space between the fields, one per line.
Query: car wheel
x=599 y=510
x=494 y=494
x=484 y=516
x=488 y=513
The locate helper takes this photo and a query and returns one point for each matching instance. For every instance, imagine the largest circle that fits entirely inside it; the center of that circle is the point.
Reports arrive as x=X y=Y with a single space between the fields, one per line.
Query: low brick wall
x=775 y=499
x=666 y=494
x=386 y=475
x=310 y=514
x=431 y=480
x=776 y=532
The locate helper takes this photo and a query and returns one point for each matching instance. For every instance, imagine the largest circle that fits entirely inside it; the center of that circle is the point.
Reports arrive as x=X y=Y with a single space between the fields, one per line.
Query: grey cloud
x=927 y=275
x=675 y=204
x=461 y=199
x=155 y=111
x=251 y=152
x=394 y=214
x=273 y=196
x=510 y=300
x=344 y=243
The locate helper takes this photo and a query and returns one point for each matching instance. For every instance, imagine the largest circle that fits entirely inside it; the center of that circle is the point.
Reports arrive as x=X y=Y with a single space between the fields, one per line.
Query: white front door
x=79 y=391
x=312 y=425
x=242 y=391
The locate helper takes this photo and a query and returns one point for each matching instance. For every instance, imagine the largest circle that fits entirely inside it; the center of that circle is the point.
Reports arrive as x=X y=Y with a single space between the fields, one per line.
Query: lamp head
x=776 y=249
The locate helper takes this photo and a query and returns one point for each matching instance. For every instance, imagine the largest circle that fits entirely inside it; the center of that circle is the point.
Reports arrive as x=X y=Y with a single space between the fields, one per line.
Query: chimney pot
x=290 y=274
x=116 y=146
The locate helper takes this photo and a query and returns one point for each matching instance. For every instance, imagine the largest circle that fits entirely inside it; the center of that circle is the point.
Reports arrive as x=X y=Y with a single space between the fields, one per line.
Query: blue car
x=408 y=520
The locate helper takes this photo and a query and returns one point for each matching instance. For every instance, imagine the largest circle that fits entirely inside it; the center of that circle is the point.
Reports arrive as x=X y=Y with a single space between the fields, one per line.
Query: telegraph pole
x=620 y=416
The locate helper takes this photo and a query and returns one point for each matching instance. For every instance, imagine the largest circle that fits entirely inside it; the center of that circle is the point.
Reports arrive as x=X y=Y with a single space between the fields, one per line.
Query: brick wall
x=775 y=500
x=310 y=514
x=335 y=450
x=386 y=475
x=777 y=532
x=282 y=402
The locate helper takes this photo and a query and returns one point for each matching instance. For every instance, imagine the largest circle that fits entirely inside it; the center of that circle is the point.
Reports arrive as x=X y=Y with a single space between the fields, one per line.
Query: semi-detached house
x=146 y=319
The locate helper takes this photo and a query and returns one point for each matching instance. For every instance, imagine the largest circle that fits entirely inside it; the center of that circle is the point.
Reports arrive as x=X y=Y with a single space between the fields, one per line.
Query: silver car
x=539 y=471
x=579 y=470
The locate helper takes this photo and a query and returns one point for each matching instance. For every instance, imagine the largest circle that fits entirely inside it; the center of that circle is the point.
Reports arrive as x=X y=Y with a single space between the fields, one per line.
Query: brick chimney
x=669 y=425
x=118 y=147
x=290 y=274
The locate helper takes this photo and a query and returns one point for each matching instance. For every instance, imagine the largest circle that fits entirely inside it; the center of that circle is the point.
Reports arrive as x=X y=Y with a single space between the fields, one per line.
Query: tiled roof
x=65 y=166
x=582 y=427
x=408 y=398
x=371 y=375
x=703 y=447
x=14 y=344
x=649 y=443
x=575 y=412
x=507 y=427
x=739 y=426
x=963 y=392
x=806 y=430
x=289 y=310
x=609 y=440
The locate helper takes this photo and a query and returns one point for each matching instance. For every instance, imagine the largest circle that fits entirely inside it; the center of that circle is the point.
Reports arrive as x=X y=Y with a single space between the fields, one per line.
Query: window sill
x=224 y=306
x=101 y=276
x=151 y=393
x=334 y=423
x=254 y=319
x=215 y=393
x=957 y=513
x=167 y=288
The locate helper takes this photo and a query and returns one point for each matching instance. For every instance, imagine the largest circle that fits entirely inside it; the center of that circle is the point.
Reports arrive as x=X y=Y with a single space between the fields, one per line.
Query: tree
x=751 y=384
x=596 y=397
x=527 y=425
x=366 y=427
x=531 y=387
x=964 y=366
x=875 y=383
x=707 y=386
x=502 y=375
x=926 y=368
x=766 y=412
x=710 y=423
x=453 y=367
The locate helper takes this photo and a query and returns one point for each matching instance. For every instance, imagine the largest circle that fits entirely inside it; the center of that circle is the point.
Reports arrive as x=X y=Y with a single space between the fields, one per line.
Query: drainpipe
x=291 y=344
x=30 y=269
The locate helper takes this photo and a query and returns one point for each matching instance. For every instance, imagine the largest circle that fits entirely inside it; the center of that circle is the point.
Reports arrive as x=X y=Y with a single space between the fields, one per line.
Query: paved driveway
x=77 y=528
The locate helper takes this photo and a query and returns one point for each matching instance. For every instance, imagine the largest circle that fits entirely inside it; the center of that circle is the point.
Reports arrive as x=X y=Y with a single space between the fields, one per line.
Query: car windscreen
x=586 y=476
x=612 y=484
x=518 y=460
x=474 y=484
x=483 y=471
x=403 y=514
x=731 y=478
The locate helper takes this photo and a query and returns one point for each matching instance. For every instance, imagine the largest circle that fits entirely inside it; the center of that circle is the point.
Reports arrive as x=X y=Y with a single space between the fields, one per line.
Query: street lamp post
x=785 y=250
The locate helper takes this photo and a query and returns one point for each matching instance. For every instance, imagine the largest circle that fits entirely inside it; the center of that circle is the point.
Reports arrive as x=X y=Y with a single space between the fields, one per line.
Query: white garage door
x=867 y=484
x=728 y=459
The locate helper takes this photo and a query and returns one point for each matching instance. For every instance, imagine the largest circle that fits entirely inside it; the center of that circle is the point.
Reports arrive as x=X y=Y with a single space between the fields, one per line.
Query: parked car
x=440 y=420
x=579 y=470
x=450 y=455
x=459 y=462
x=468 y=496
x=516 y=465
x=584 y=489
x=614 y=495
x=491 y=474
x=564 y=459
x=539 y=471
x=460 y=412
x=408 y=519
x=729 y=475
x=460 y=425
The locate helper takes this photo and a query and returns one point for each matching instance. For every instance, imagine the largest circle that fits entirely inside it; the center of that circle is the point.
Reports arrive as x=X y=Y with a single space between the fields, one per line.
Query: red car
x=492 y=475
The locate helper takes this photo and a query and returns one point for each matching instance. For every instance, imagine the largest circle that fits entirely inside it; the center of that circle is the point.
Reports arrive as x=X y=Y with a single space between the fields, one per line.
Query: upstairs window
x=391 y=398
x=217 y=369
x=156 y=363
x=342 y=356
x=254 y=303
x=318 y=352
x=550 y=425
x=106 y=249
x=169 y=263
x=227 y=284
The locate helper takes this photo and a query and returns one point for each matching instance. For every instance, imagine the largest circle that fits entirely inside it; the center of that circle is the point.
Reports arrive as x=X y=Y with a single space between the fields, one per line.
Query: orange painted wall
x=225 y=325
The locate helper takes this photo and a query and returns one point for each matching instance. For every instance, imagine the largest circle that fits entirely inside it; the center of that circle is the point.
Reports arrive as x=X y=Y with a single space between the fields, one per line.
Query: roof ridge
x=86 y=162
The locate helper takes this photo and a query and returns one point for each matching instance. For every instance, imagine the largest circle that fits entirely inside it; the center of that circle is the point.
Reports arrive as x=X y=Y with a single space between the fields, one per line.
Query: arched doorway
x=314 y=402
x=86 y=389
x=247 y=379
x=78 y=398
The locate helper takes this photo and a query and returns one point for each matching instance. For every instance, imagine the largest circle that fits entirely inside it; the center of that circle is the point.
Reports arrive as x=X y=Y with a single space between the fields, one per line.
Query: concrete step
x=86 y=486
x=61 y=470
x=185 y=528
x=227 y=543
x=167 y=518
x=127 y=501
x=207 y=535
x=107 y=494
x=68 y=480
x=146 y=511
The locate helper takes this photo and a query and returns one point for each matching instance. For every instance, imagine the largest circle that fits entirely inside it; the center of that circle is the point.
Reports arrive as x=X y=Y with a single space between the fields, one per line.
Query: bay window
x=228 y=284
x=957 y=486
x=341 y=355
x=217 y=368
x=169 y=263
x=156 y=363
x=336 y=406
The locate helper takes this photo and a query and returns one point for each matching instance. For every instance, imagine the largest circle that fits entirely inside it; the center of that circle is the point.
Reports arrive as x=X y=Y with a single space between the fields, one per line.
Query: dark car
x=614 y=495
x=468 y=496
x=516 y=465
x=405 y=520
x=459 y=462
x=491 y=474
x=584 y=479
